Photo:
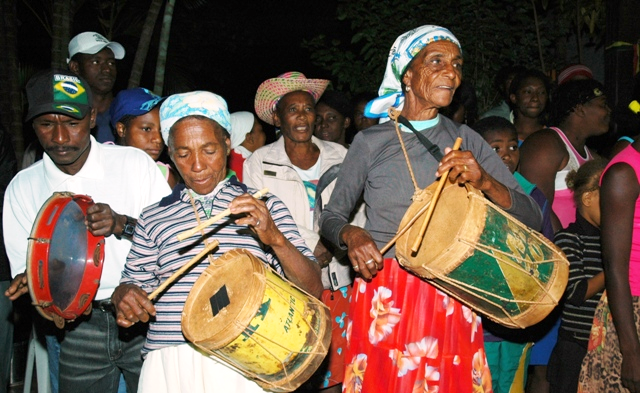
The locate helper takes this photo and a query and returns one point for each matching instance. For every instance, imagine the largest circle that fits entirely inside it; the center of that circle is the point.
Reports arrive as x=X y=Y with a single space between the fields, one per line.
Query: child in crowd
x=580 y=242
x=508 y=350
x=135 y=116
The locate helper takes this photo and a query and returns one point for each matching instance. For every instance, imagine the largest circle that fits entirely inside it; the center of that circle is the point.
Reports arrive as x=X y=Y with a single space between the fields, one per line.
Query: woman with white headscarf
x=194 y=127
x=247 y=136
x=405 y=335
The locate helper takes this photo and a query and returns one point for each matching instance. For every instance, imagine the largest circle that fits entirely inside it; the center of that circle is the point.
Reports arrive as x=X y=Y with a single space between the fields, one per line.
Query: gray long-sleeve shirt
x=375 y=165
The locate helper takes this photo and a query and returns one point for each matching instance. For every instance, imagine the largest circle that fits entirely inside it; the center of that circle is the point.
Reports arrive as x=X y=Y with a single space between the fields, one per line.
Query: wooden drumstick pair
x=430 y=207
x=209 y=247
x=210 y=221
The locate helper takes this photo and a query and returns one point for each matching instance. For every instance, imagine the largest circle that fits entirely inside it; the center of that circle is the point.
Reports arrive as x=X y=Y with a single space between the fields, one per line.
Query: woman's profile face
x=295 y=114
x=434 y=74
x=360 y=121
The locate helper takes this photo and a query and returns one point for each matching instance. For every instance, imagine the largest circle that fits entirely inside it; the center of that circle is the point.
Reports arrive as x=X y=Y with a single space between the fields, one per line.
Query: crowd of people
x=340 y=176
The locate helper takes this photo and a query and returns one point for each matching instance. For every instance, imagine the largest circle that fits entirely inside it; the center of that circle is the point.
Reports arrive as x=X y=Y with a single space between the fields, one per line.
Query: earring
x=407 y=88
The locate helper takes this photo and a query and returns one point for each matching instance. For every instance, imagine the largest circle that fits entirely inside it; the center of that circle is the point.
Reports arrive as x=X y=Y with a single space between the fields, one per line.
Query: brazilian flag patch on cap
x=68 y=108
x=70 y=91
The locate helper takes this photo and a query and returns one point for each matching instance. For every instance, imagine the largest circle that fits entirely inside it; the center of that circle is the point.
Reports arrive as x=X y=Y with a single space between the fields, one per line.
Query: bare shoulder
x=621 y=177
x=544 y=139
x=543 y=143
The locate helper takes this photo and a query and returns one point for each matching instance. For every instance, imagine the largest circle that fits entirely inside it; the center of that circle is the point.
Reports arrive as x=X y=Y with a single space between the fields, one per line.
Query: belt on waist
x=103 y=305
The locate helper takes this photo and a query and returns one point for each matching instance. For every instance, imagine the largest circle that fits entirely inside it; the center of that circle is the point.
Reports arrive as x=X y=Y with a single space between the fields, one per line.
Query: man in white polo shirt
x=122 y=181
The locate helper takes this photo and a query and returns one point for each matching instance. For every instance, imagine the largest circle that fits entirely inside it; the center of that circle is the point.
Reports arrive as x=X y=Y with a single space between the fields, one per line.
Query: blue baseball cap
x=133 y=102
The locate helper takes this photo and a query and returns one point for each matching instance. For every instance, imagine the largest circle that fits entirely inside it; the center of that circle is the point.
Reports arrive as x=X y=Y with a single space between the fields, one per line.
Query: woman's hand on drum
x=257 y=218
x=18 y=287
x=464 y=168
x=363 y=251
x=132 y=305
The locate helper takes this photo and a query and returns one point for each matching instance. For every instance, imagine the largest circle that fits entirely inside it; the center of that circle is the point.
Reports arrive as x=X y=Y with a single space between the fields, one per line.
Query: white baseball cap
x=91 y=43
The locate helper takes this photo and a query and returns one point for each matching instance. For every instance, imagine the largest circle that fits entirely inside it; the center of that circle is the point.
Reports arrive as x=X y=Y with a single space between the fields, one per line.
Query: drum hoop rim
x=93 y=269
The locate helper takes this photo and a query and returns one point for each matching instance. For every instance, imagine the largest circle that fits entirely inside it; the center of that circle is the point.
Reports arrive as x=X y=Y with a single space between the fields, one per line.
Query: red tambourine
x=64 y=260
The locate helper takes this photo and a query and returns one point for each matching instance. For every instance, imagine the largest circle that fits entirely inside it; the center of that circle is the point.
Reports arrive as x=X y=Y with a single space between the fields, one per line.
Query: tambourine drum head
x=64 y=260
x=67 y=255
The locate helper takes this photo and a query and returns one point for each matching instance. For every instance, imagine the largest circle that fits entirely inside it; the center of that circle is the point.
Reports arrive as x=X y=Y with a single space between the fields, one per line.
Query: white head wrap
x=202 y=103
x=405 y=48
x=241 y=125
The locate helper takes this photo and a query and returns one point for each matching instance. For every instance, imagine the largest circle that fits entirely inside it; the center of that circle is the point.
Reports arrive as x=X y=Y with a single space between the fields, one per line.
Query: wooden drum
x=243 y=313
x=485 y=258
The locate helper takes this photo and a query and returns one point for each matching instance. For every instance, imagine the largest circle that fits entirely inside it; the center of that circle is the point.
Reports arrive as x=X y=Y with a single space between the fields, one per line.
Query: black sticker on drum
x=219 y=300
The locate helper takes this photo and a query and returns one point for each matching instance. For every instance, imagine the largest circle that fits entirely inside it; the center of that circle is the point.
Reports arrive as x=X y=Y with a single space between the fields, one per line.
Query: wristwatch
x=129 y=228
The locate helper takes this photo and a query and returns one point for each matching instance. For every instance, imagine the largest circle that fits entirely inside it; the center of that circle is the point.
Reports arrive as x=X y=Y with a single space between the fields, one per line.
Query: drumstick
x=401 y=232
x=183 y=269
x=434 y=200
x=210 y=221
x=408 y=226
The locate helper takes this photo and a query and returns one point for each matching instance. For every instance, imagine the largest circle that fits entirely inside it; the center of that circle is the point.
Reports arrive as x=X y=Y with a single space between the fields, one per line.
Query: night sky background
x=228 y=48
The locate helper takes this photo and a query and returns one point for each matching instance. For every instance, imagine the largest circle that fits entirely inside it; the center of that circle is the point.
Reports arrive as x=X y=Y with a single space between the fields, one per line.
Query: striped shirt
x=580 y=241
x=156 y=252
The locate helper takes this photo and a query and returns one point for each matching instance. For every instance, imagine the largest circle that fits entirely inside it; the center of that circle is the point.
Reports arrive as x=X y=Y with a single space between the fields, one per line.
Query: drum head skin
x=483 y=257
x=246 y=315
x=64 y=260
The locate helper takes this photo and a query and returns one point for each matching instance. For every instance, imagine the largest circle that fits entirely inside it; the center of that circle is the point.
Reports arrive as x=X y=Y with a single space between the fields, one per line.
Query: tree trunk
x=535 y=19
x=11 y=99
x=61 y=20
x=144 y=43
x=163 y=46
x=578 y=29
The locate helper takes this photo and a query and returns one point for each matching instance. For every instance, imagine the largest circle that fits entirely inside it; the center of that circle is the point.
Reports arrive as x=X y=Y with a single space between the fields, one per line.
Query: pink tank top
x=631 y=156
x=563 y=205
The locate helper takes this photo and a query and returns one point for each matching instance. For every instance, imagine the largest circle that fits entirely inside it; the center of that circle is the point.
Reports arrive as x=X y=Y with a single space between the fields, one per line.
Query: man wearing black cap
x=122 y=181
x=93 y=57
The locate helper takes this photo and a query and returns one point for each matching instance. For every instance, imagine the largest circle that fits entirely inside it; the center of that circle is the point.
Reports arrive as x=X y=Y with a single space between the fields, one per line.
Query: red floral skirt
x=407 y=336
